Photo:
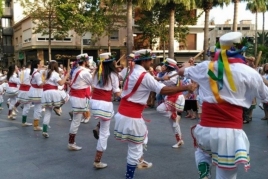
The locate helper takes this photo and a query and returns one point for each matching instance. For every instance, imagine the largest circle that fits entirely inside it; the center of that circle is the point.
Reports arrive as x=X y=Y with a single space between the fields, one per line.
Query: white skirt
x=102 y=109
x=130 y=129
x=23 y=97
x=11 y=91
x=54 y=98
x=35 y=94
x=79 y=105
x=227 y=146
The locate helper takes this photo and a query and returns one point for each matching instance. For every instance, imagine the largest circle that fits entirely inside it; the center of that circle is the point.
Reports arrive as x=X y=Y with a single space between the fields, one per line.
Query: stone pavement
x=25 y=154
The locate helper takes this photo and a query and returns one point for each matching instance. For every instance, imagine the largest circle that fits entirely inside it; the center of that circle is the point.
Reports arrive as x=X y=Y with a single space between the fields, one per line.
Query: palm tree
x=207 y=5
x=236 y=4
x=171 y=3
x=255 y=7
x=263 y=20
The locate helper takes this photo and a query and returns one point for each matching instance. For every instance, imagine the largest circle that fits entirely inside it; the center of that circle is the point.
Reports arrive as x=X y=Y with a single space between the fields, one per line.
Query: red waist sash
x=173 y=98
x=222 y=115
x=130 y=109
x=36 y=86
x=49 y=87
x=24 y=87
x=103 y=95
x=80 y=93
x=12 y=84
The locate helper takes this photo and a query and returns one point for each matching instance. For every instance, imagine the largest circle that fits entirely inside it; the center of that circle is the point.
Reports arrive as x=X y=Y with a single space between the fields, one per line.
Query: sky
x=222 y=14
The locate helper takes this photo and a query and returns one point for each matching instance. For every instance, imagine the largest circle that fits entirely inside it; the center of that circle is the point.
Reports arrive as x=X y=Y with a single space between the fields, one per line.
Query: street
x=26 y=154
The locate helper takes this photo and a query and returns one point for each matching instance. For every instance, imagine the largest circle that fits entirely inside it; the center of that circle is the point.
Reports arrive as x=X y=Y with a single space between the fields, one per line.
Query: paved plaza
x=25 y=154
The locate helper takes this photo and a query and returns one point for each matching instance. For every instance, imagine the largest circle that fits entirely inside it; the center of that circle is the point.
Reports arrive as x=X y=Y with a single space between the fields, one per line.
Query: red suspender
x=33 y=76
x=76 y=75
x=136 y=85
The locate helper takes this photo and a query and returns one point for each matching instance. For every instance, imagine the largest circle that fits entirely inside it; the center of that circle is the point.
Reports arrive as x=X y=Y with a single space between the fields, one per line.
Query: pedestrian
x=52 y=98
x=23 y=96
x=35 y=92
x=79 y=97
x=173 y=105
x=129 y=124
x=12 y=89
x=105 y=83
x=219 y=137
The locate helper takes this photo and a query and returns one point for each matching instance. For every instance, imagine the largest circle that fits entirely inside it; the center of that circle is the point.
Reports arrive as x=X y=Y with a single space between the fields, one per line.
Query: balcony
x=7 y=31
x=7 y=49
x=7 y=12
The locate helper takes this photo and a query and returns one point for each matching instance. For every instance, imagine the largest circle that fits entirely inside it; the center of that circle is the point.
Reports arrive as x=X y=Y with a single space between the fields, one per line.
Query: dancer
x=23 y=97
x=12 y=89
x=105 y=83
x=81 y=80
x=219 y=136
x=129 y=124
x=2 y=91
x=52 y=97
x=174 y=104
x=35 y=92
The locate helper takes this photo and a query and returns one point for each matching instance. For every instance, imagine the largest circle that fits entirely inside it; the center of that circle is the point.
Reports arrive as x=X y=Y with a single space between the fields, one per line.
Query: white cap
x=104 y=56
x=142 y=51
x=131 y=55
x=227 y=40
x=171 y=62
x=78 y=57
x=212 y=49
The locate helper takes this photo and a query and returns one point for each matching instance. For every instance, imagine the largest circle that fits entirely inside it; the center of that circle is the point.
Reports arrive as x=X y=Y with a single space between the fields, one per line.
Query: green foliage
x=154 y=23
x=260 y=37
x=1 y=8
x=256 y=6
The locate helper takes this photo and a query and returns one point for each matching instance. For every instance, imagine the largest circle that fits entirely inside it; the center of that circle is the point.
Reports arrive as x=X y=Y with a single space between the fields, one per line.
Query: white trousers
x=103 y=135
x=12 y=102
x=163 y=109
x=47 y=116
x=26 y=108
x=201 y=156
x=75 y=122
x=135 y=151
x=37 y=111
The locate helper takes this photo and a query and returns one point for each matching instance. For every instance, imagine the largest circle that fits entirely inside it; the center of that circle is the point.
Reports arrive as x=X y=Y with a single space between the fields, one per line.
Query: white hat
x=170 y=62
x=144 y=54
x=84 y=56
x=131 y=55
x=212 y=49
x=106 y=57
x=227 y=40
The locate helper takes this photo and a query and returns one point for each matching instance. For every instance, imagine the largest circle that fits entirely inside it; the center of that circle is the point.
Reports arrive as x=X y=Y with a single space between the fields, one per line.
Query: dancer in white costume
x=129 y=124
x=219 y=136
x=79 y=97
x=173 y=104
x=12 y=89
x=23 y=97
x=2 y=91
x=52 y=97
x=105 y=83
x=35 y=92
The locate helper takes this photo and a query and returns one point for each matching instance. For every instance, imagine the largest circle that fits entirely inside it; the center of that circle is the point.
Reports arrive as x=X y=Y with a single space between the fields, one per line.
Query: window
x=7 y=40
x=114 y=35
x=17 y=41
x=245 y=28
x=86 y=41
x=219 y=28
x=238 y=28
x=191 y=42
x=226 y=28
x=6 y=22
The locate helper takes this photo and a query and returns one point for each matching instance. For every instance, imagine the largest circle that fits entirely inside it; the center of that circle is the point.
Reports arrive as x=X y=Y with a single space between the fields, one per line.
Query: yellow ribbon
x=214 y=85
x=22 y=76
x=227 y=69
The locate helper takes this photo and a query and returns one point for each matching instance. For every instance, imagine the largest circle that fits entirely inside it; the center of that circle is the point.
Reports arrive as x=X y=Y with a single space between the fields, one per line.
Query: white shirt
x=83 y=80
x=25 y=76
x=36 y=78
x=113 y=83
x=14 y=79
x=249 y=84
x=53 y=79
x=147 y=85
x=172 y=81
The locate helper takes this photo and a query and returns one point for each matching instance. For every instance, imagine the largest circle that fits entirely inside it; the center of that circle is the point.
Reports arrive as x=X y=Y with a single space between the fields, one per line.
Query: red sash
x=49 y=87
x=99 y=94
x=80 y=93
x=35 y=85
x=173 y=97
x=24 y=87
x=131 y=109
x=12 y=84
x=221 y=115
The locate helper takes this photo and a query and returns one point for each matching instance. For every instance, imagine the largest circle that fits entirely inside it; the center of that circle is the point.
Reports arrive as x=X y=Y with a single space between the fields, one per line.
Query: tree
x=263 y=20
x=207 y=5
x=154 y=23
x=255 y=7
x=114 y=18
x=44 y=17
x=82 y=17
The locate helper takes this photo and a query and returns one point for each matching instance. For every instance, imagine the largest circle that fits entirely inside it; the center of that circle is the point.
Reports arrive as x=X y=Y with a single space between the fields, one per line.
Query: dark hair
x=34 y=65
x=28 y=64
x=11 y=70
x=169 y=69
x=107 y=69
x=53 y=66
